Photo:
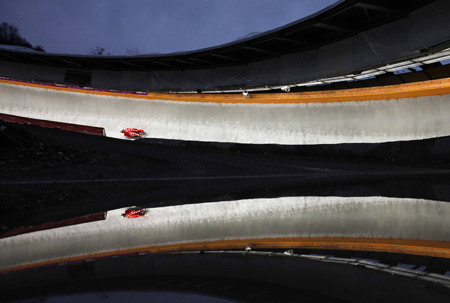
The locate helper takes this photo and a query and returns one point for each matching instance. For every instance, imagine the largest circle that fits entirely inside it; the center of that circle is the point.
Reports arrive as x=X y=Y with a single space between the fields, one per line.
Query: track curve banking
x=393 y=113
x=370 y=223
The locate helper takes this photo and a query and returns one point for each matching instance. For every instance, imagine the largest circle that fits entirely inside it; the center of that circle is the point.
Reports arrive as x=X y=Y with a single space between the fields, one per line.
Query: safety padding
x=99 y=131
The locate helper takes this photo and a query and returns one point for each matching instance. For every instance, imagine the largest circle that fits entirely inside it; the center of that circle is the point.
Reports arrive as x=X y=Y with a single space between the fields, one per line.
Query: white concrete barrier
x=294 y=123
x=380 y=218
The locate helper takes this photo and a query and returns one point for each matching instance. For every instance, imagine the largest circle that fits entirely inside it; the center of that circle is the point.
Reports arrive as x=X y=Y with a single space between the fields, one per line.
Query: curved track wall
x=410 y=226
x=369 y=115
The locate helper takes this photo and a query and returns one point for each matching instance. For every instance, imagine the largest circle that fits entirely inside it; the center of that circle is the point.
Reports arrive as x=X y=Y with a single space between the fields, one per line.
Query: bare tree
x=97 y=51
x=39 y=48
x=132 y=51
x=9 y=35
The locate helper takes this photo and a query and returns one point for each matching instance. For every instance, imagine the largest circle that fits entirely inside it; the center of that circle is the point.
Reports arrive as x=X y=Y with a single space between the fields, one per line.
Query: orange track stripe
x=408 y=90
x=439 y=249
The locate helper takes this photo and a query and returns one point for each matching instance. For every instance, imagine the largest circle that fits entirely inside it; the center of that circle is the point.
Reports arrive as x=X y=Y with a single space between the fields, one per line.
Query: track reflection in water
x=370 y=221
x=332 y=202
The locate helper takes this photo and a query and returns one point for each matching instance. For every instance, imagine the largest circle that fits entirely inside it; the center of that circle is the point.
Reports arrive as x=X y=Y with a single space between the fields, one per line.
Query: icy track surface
x=367 y=217
x=313 y=123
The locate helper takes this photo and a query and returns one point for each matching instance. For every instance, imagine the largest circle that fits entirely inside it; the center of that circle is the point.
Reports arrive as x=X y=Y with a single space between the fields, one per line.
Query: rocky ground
x=49 y=174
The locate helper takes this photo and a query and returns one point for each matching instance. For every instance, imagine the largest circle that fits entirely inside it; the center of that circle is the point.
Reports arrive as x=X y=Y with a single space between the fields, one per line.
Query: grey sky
x=63 y=26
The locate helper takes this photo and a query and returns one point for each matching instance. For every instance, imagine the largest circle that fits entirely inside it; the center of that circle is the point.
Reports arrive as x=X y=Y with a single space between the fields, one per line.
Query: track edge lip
x=440 y=249
x=399 y=91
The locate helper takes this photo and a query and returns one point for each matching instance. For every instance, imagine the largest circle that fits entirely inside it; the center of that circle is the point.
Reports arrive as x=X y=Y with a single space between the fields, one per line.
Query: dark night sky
x=163 y=26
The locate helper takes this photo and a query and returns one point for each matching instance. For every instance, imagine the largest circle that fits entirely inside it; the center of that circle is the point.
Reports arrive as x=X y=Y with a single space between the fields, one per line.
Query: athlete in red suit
x=132 y=132
x=133 y=213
